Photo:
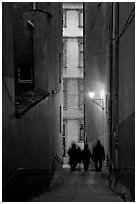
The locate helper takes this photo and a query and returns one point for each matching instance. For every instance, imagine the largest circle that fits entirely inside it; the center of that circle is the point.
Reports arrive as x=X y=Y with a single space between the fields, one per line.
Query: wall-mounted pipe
x=115 y=80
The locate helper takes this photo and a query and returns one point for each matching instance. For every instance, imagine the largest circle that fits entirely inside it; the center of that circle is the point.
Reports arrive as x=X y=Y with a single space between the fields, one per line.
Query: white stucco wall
x=73 y=132
x=72 y=110
x=72 y=72
x=72 y=28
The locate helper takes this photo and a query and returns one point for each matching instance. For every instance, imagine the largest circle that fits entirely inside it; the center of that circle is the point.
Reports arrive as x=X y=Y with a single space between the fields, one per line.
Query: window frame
x=64 y=53
x=25 y=81
x=64 y=137
x=64 y=18
x=65 y=83
x=80 y=52
x=79 y=19
x=80 y=82
x=60 y=119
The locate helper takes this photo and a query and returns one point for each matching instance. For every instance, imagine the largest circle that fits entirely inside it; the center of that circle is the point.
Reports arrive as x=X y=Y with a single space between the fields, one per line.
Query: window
x=80 y=94
x=64 y=129
x=64 y=19
x=60 y=68
x=64 y=93
x=81 y=131
x=23 y=49
x=80 y=47
x=60 y=118
x=64 y=53
x=26 y=94
x=106 y=103
x=25 y=74
x=80 y=19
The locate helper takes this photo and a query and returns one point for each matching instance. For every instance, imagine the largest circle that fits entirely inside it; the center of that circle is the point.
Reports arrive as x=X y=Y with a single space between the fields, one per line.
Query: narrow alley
x=68 y=96
x=78 y=186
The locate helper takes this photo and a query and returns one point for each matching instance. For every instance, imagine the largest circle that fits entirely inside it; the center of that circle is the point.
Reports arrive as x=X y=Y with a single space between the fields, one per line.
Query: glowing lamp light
x=91 y=94
x=97 y=101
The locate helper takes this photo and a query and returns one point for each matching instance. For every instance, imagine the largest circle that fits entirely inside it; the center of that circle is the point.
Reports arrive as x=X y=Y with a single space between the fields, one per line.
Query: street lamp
x=91 y=94
x=97 y=101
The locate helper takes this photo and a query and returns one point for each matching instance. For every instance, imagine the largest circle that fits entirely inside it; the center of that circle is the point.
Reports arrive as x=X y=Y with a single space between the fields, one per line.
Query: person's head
x=98 y=143
x=73 y=145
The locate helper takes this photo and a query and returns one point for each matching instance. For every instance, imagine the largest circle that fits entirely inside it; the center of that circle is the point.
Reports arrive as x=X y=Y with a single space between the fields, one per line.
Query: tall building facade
x=110 y=66
x=31 y=95
x=73 y=86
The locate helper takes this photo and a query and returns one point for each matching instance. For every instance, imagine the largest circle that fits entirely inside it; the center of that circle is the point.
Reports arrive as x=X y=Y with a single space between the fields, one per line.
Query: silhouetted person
x=98 y=155
x=86 y=156
x=73 y=157
x=79 y=155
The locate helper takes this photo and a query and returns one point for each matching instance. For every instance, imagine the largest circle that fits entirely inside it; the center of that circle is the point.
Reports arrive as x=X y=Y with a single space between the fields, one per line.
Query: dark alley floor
x=78 y=187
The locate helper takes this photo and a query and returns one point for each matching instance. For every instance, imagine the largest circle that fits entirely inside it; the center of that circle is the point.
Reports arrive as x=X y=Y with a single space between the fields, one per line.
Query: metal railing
x=33 y=170
x=111 y=165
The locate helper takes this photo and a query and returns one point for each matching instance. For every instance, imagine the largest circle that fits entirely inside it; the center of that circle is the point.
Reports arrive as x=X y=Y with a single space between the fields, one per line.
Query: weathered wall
x=47 y=46
x=72 y=110
x=72 y=49
x=126 y=81
x=127 y=96
x=23 y=41
x=96 y=71
x=72 y=28
x=72 y=113
x=112 y=63
x=30 y=141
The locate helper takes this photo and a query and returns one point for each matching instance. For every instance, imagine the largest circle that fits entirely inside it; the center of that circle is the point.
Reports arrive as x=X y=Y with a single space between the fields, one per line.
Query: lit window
x=80 y=19
x=80 y=45
x=80 y=94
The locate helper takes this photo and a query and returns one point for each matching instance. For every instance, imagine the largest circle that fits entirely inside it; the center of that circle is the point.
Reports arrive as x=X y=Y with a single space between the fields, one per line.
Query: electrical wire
x=130 y=18
x=128 y=21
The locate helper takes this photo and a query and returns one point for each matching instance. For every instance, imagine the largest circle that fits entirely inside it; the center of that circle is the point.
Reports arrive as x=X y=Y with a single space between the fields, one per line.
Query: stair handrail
x=58 y=159
x=108 y=158
x=54 y=156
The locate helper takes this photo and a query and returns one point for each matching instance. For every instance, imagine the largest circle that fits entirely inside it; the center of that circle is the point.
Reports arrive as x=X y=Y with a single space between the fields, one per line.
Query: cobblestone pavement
x=78 y=187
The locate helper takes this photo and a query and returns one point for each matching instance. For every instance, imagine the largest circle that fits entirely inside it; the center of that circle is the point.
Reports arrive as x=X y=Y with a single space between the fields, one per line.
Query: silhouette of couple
x=76 y=156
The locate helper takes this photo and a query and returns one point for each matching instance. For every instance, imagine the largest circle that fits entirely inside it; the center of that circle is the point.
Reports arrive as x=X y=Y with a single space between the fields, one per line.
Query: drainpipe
x=110 y=9
x=115 y=78
x=34 y=36
x=85 y=136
